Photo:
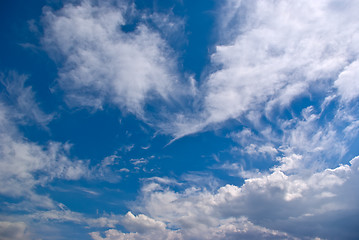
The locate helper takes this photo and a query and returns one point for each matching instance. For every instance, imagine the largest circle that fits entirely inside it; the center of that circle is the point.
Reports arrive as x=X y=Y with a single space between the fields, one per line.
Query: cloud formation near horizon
x=278 y=204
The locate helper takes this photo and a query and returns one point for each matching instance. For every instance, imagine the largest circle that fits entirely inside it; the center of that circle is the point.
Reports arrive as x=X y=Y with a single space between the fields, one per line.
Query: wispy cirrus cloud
x=23 y=100
x=27 y=166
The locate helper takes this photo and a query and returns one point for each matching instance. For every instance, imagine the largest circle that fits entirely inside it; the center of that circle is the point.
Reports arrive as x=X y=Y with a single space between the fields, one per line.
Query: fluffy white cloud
x=347 y=82
x=149 y=229
x=141 y=227
x=101 y=63
x=280 y=204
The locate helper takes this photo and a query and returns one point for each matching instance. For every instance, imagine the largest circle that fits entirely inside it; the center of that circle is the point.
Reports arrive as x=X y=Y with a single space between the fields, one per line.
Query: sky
x=179 y=119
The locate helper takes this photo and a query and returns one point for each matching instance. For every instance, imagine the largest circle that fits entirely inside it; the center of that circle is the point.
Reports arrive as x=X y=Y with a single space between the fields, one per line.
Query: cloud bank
x=278 y=204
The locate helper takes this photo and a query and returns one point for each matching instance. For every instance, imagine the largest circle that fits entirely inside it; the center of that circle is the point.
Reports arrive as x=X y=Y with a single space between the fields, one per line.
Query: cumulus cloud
x=280 y=204
x=144 y=227
x=102 y=63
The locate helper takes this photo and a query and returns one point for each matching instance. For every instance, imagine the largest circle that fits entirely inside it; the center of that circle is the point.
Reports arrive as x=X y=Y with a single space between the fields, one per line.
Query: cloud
x=62 y=214
x=279 y=204
x=23 y=100
x=143 y=227
x=347 y=82
x=271 y=54
x=100 y=63
x=13 y=231
x=26 y=165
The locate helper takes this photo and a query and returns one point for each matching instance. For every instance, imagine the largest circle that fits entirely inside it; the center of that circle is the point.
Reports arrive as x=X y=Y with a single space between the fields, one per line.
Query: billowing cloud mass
x=102 y=63
x=287 y=202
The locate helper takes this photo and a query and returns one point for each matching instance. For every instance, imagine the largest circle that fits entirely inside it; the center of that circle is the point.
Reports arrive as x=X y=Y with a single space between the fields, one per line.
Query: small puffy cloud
x=140 y=227
x=141 y=223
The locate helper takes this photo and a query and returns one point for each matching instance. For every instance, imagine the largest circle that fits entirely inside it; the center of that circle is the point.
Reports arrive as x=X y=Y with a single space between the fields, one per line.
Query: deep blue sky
x=179 y=119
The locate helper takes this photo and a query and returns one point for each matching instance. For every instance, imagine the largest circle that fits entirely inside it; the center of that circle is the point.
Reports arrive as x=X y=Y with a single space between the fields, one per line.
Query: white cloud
x=347 y=82
x=143 y=227
x=23 y=100
x=280 y=204
x=271 y=53
x=62 y=214
x=100 y=63
x=25 y=165
x=141 y=223
x=278 y=52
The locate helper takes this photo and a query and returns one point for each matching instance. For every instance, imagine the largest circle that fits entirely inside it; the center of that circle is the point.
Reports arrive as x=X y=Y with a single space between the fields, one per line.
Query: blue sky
x=178 y=119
